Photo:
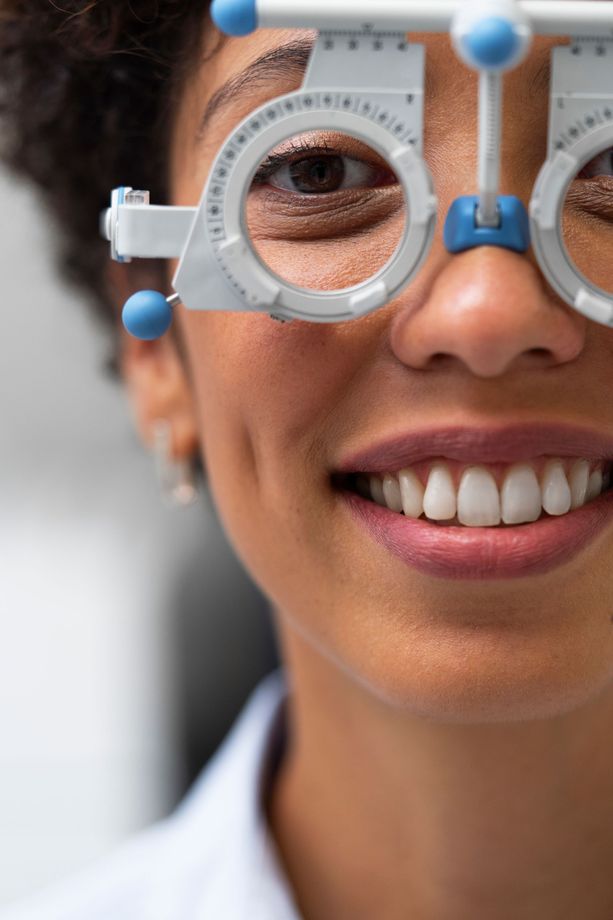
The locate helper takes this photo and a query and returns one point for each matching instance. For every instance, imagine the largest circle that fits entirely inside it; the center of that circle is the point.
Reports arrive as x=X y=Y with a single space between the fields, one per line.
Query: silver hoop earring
x=176 y=478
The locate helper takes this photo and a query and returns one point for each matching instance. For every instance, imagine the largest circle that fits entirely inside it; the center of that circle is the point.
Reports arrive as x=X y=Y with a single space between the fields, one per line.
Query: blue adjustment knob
x=461 y=231
x=234 y=17
x=492 y=42
x=147 y=315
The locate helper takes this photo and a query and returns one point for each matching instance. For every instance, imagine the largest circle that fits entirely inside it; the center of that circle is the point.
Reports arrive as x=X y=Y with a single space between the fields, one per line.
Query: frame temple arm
x=147 y=231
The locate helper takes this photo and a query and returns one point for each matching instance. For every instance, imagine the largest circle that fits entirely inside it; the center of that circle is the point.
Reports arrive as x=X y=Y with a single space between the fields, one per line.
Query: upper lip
x=483 y=444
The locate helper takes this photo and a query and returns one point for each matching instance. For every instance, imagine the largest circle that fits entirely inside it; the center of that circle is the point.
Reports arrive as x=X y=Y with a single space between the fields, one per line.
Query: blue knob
x=461 y=231
x=492 y=42
x=234 y=17
x=147 y=315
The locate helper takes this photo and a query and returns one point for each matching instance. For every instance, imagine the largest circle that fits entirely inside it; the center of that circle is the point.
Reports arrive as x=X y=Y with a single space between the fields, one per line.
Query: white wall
x=87 y=553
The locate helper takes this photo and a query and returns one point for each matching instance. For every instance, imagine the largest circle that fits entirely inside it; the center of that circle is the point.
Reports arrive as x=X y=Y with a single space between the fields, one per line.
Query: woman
x=442 y=747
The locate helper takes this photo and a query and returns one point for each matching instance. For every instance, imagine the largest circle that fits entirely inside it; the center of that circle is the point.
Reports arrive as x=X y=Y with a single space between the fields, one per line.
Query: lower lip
x=483 y=552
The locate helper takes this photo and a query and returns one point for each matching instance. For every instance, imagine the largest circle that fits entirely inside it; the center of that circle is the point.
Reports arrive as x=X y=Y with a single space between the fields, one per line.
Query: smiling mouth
x=453 y=494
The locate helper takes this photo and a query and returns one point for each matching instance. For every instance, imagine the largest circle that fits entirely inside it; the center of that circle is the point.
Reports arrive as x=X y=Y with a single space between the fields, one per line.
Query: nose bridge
x=452 y=155
x=490 y=310
x=452 y=127
x=488 y=218
x=492 y=48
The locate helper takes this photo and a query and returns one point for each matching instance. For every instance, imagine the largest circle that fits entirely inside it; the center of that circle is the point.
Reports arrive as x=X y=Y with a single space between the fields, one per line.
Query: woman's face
x=477 y=343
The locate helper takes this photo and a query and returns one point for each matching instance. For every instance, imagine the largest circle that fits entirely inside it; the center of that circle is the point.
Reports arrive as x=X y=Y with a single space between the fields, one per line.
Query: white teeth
x=478 y=498
x=478 y=502
x=594 y=487
x=391 y=493
x=578 y=479
x=376 y=490
x=555 y=489
x=520 y=496
x=412 y=493
x=440 y=495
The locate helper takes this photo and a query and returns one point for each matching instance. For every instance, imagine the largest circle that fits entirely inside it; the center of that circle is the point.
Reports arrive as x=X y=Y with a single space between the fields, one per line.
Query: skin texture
x=450 y=753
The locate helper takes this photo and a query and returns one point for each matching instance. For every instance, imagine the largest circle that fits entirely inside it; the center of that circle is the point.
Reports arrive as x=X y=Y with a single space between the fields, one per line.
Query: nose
x=490 y=310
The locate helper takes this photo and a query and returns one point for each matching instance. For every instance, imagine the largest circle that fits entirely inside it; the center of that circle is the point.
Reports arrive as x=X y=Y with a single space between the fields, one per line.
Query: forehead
x=234 y=58
x=269 y=62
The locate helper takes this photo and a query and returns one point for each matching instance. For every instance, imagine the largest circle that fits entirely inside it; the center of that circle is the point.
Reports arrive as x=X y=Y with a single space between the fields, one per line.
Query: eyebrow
x=287 y=61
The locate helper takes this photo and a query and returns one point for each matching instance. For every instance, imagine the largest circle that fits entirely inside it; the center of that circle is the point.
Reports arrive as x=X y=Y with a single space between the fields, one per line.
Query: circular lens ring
x=223 y=204
x=546 y=211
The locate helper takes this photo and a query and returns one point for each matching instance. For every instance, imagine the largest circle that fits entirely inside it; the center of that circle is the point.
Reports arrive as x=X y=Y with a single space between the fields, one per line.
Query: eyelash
x=275 y=161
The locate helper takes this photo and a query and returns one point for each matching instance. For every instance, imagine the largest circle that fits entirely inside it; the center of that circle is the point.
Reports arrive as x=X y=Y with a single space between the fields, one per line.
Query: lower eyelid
x=288 y=216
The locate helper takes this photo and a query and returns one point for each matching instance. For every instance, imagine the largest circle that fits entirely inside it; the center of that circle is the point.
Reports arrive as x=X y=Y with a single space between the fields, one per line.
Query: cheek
x=275 y=403
x=265 y=390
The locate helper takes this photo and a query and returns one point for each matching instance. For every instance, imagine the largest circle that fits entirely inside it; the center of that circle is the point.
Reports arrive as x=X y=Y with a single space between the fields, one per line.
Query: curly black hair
x=86 y=100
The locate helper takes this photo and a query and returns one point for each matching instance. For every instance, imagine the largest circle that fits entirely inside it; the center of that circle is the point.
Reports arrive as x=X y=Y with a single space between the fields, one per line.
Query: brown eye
x=317 y=174
x=321 y=174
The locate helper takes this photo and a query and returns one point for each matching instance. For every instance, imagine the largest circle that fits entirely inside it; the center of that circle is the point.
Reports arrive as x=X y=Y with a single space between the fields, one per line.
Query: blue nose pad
x=462 y=231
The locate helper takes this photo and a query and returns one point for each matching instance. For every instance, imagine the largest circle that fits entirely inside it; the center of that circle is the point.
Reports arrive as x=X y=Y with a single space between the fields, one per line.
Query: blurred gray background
x=130 y=636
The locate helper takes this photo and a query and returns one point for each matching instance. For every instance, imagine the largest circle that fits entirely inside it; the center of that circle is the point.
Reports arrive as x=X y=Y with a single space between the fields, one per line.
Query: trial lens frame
x=366 y=78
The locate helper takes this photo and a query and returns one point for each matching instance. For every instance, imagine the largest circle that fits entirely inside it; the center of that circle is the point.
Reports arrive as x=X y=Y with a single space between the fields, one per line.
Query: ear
x=158 y=388
x=156 y=380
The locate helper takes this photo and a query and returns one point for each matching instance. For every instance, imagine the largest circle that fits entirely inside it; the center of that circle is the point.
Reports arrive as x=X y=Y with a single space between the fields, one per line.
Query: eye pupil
x=321 y=174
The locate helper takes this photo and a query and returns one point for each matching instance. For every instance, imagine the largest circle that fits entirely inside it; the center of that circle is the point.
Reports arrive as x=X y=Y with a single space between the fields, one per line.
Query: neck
x=381 y=813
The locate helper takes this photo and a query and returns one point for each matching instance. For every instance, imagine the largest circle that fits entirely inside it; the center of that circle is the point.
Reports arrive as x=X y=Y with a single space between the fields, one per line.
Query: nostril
x=440 y=358
x=540 y=352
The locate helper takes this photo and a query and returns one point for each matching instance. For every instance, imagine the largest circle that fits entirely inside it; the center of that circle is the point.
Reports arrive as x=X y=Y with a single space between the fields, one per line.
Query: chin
x=487 y=675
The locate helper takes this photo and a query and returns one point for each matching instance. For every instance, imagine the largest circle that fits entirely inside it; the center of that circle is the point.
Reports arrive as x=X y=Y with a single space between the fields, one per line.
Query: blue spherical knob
x=147 y=315
x=492 y=42
x=234 y=17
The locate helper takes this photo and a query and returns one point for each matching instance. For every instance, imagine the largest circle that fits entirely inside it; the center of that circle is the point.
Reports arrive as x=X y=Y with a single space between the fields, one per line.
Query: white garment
x=212 y=859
